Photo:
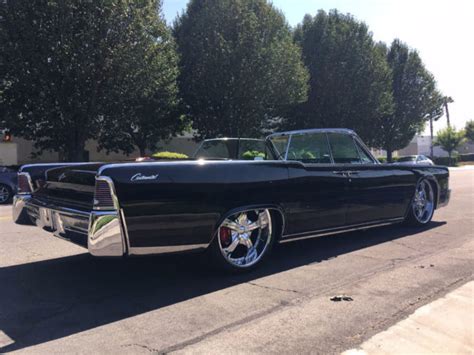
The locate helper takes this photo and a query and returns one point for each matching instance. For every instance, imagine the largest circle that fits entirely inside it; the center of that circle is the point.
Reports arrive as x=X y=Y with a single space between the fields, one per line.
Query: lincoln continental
x=304 y=184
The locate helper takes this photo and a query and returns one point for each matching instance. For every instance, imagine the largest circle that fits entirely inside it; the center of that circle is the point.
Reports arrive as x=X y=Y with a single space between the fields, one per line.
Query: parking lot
x=55 y=298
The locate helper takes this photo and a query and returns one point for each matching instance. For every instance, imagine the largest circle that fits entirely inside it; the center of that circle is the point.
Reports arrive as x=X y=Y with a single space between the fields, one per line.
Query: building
x=20 y=151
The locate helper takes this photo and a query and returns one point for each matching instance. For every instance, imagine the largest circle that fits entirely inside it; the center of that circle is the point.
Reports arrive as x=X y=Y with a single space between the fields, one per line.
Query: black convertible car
x=309 y=183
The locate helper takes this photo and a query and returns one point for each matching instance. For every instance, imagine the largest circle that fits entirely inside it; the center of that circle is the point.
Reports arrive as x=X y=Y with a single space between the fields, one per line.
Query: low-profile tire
x=422 y=205
x=6 y=194
x=243 y=240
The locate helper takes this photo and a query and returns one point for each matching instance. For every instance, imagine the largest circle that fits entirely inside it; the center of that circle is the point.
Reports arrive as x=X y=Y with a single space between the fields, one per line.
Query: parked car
x=414 y=159
x=312 y=183
x=8 y=184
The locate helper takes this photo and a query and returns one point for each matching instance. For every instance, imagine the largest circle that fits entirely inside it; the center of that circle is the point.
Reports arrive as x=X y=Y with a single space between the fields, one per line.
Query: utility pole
x=431 y=137
x=447 y=100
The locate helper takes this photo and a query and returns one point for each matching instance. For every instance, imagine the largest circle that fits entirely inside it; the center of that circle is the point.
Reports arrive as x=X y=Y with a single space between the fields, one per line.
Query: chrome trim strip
x=125 y=232
x=351 y=228
x=165 y=249
x=288 y=147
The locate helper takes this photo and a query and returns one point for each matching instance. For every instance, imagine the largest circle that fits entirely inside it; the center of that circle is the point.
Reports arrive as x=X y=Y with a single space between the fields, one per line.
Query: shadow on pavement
x=48 y=300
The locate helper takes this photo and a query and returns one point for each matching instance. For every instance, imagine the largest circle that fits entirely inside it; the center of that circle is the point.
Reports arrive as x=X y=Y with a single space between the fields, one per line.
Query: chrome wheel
x=4 y=194
x=245 y=237
x=423 y=202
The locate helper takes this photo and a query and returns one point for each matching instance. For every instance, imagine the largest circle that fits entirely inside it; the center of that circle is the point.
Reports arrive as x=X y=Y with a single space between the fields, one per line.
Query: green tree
x=415 y=97
x=349 y=76
x=239 y=66
x=449 y=140
x=144 y=104
x=469 y=129
x=64 y=67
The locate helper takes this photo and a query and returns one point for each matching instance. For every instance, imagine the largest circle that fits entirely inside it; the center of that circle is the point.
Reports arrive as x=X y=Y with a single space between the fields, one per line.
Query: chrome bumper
x=101 y=232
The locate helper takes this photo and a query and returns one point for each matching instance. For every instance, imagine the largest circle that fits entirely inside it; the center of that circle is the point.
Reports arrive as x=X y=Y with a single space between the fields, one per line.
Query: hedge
x=445 y=161
x=169 y=155
x=252 y=154
x=466 y=157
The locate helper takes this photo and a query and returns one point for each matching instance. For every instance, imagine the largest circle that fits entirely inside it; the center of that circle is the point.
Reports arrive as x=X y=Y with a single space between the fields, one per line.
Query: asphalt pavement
x=55 y=298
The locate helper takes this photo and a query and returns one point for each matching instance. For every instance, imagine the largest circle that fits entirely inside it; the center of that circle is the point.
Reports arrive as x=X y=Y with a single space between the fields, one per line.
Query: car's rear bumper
x=101 y=232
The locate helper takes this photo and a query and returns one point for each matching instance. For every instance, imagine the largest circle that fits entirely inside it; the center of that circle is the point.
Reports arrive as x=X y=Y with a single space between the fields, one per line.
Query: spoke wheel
x=422 y=206
x=245 y=237
x=5 y=194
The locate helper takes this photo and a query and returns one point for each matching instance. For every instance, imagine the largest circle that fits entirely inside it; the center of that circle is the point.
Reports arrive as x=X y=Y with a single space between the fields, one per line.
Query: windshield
x=405 y=159
x=236 y=149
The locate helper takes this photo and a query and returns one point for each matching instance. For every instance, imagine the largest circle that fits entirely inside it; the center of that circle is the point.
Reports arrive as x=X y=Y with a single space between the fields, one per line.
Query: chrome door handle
x=353 y=172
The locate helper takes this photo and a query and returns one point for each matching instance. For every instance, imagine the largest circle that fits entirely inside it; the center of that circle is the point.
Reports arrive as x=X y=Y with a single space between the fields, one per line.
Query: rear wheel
x=243 y=240
x=422 y=205
x=5 y=194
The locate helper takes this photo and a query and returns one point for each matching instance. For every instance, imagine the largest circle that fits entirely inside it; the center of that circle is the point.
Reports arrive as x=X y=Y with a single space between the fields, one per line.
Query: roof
x=314 y=130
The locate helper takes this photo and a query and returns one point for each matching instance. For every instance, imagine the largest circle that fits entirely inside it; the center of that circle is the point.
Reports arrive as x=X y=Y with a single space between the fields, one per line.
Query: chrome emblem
x=140 y=177
x=62 y=176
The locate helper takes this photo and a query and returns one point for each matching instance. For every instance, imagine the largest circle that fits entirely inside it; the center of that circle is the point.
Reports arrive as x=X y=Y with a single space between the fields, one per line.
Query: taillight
x=104 y=194
x=25 y=185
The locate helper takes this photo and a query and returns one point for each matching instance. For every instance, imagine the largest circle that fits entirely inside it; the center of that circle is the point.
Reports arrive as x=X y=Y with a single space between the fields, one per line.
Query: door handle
x=353 y=172
x=343 y=173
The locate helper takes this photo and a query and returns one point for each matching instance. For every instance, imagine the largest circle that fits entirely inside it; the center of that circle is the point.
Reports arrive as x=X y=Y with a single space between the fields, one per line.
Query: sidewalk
x=445 y=326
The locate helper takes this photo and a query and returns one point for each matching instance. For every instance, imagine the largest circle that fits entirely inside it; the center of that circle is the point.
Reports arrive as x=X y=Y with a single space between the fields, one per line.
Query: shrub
x=252 y=154
x=466 y=157
x=445 y=161
x=169 y=155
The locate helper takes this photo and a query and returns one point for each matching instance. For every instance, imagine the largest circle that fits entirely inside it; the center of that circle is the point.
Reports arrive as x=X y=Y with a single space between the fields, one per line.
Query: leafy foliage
x=415 y=97
x=469 y=130
x=449 y=139
x=145 y=107
x=252 y=154
x=70 y=68
x=350 y=79
x=239 y=66
x=169 y=155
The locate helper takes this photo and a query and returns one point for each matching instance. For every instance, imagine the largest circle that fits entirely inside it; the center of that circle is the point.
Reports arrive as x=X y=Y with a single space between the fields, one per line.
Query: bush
x=445 y=161
x=169 y=155
x=252 y=154
x=466 y=157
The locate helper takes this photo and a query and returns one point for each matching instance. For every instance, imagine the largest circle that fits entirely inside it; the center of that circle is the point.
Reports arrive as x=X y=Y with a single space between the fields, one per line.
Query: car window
x=309 y=148
x=213 y=150
x=406 y=159
x=343 y=148
x=279 y=145
x=364 y=156
x=251 y=149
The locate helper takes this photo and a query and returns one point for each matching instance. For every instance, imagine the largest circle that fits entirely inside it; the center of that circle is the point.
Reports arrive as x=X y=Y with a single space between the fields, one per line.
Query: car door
x=375 y=192
x=317 y=199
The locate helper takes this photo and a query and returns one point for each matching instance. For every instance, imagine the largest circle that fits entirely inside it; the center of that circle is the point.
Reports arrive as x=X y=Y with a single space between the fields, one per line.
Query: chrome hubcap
x=4 y=194
x=245 y=236
x=423 y=202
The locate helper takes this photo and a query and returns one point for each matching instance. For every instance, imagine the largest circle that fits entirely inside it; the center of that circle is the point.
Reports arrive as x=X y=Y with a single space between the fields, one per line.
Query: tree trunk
x=447 y=112
x=389 y=155
x=450 y=162
x=75 y=147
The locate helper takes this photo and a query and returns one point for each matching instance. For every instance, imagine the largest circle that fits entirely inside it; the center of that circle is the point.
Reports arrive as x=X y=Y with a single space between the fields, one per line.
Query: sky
x=442 y=31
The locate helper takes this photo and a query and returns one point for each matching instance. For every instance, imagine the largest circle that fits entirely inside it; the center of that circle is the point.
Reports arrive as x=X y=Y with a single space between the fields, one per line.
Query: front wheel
x=422 y=205
x=243 y=240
